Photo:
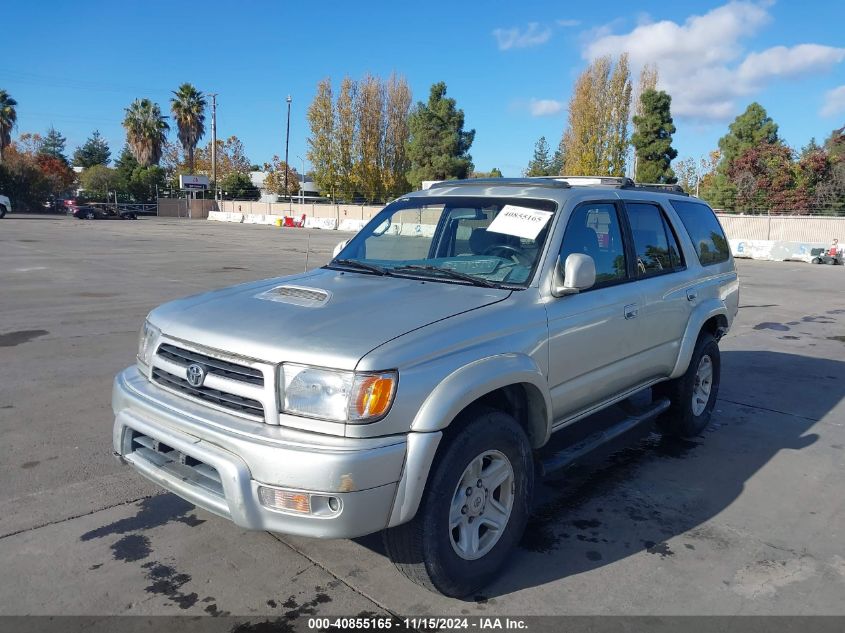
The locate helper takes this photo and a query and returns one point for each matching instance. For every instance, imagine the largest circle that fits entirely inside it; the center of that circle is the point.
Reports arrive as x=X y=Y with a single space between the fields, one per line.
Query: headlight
x=341 y=396
x=147 y=338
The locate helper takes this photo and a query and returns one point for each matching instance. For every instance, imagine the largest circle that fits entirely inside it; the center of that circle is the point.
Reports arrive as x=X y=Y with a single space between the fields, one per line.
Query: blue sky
x=509 y=65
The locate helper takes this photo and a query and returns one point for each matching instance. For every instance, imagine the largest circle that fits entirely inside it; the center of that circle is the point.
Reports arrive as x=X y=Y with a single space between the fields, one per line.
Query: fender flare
x=472 y=381
x=705 y=311
x=457 y=391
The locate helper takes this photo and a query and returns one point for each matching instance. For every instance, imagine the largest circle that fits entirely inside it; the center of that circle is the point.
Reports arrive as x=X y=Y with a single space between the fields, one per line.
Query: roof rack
x=502 y=182
x=659 y=186
x=591 y=181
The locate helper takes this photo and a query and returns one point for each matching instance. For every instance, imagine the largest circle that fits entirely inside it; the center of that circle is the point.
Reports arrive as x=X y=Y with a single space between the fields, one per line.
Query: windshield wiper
x=454 y=274
x=354 y=263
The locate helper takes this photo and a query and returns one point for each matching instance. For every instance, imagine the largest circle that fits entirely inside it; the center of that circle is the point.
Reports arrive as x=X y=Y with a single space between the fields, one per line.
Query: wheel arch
x=509 y=382
x=710 y=316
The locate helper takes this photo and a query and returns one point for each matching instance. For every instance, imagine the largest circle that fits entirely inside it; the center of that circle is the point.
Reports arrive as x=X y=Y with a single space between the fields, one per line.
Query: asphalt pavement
x=748 y=518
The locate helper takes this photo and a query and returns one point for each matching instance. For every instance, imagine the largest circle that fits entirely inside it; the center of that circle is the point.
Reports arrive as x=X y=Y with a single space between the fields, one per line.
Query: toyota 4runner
x=413 y=383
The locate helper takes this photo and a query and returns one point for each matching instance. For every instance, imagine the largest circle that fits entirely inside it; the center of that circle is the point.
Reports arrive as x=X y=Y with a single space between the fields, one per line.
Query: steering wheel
x=515 y=254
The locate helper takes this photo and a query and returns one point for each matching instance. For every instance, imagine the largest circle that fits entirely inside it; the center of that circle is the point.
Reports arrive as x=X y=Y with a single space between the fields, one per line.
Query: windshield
x=483 y=241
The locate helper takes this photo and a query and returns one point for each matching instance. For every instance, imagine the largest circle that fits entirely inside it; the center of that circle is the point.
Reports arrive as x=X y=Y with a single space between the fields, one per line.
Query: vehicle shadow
x=644 y=489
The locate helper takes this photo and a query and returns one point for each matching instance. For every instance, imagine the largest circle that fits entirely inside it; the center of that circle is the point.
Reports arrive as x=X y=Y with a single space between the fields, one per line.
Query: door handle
x=632 y=310
x=692 y=295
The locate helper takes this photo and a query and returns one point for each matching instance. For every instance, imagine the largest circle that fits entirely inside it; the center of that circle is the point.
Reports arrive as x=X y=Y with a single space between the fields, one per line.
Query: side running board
x=575 y=452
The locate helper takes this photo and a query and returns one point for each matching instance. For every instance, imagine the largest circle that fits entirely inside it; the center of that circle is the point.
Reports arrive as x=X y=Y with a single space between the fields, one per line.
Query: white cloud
x=834 y=102
x=516 y=37
x=702 y=63
x=544 y=107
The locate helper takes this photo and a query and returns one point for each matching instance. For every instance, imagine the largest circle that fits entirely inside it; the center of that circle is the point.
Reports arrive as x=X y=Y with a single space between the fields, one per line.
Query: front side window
x=704 y=231
x=593 y=230
x=654 y=242
x=482 y=241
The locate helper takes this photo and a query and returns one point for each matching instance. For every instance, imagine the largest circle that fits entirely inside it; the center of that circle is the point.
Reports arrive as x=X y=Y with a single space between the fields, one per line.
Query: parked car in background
x=413 y=384
x=92 y=212
x=5 y=206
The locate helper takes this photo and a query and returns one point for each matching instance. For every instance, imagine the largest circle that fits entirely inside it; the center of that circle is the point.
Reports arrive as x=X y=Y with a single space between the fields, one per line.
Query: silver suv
x=414 y=383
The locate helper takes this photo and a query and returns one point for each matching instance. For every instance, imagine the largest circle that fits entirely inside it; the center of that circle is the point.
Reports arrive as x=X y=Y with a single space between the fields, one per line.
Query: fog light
x=287 y=500
x=299 y=502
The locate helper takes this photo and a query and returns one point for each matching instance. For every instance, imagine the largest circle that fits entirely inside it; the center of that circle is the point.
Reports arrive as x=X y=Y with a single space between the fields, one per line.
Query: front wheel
x=2 y=211
x=693 y=395
x=473 y=511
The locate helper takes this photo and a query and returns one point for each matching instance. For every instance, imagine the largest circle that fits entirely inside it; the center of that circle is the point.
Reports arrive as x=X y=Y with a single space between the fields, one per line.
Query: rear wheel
x=473 y=510
x=2 y=211
x=693 y=395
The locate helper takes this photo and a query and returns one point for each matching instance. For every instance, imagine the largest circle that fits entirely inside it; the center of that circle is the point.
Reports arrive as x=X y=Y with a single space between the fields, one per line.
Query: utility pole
x=287 y=142
x=213 y=96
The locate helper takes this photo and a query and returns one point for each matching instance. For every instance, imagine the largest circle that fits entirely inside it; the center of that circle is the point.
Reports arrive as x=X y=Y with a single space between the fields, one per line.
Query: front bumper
x=225 y=459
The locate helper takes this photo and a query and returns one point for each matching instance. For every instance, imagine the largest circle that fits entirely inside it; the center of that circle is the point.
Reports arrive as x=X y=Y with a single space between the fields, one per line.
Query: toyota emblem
x=196 y=375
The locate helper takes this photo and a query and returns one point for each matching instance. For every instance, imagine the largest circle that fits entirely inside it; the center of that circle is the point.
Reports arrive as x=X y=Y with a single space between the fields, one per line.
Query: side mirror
x=578 y=272
x=339 y=247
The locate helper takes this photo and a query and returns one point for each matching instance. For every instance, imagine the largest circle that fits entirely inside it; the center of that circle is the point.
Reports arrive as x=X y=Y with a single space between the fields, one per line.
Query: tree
x=765 y=178
x=652 y=139
x=595 y=141
x=95 y=151
x=54 y=145
x=438 y=147
x=123 y=168
x=369 y=118
x=493 y=173
x=239 y=186
x=751 y=128
x=275 y=179
x=188 y=108
x=345 y=138
x=8 y=118
x=616 y=117
x=835 y=144
x=146 y=131
x=541 y=163
x=231 y=158
x=145 y=181
x=97 y=180
x=321 y=142
x=395 y=163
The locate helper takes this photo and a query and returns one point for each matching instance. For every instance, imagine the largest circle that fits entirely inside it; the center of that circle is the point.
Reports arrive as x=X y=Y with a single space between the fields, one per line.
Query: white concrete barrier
x=225 y=216
x=321 y=223
x=772 y=250
x=351 y=225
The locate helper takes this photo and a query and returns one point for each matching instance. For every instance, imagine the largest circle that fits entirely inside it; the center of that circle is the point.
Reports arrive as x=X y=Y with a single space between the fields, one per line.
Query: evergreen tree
x=95 y=151
x=438 y=148
x=652 y=138
x=541 y=163
x=54 y=145
x=751 y=128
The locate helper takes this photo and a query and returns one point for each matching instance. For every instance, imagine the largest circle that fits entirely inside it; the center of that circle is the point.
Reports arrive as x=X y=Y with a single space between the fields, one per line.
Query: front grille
x=175 y=462
x=222 y=368
x=230 y=401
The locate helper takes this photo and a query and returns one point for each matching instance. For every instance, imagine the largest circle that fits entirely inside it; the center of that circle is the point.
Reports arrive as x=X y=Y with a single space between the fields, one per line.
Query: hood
x=324 y=317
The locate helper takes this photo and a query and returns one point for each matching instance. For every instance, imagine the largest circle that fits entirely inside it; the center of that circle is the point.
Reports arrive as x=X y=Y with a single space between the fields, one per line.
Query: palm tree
x=188 y=108
x=8 y=116
x=146 y=131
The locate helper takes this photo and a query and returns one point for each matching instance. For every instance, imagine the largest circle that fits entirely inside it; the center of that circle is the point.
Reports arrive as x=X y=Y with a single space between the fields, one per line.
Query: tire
x=2 y=211
x=816 y=260
x=426 y=550
x=684 y=417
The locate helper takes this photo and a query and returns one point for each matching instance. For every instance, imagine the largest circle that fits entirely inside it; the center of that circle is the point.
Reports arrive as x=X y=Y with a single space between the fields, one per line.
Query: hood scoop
x=296 y=295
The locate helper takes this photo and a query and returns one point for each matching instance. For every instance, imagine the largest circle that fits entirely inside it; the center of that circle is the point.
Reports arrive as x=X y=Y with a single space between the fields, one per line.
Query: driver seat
x=481 y=240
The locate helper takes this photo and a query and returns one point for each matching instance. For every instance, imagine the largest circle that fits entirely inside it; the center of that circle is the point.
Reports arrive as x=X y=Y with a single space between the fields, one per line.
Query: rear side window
x=704 y=231
x=654 y=242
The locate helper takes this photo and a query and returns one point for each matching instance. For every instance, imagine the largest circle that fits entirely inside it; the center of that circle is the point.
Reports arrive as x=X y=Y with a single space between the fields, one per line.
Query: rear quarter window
x=704 y=230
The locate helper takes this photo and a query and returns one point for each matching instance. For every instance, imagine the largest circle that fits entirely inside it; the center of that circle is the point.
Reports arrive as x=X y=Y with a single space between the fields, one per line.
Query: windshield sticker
x=520 y=221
